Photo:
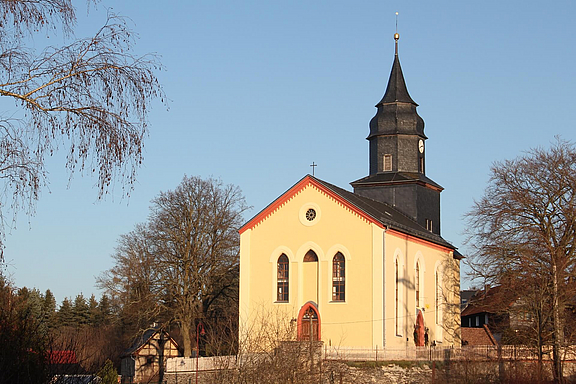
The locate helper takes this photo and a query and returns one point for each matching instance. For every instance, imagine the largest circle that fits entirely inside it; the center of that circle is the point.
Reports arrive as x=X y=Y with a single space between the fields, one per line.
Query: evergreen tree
x=31 y=307
x=104 y=310
x=49 y=308
x=93 y=311
x=65 y=314
x=108 y=373
x=23 y=344
x=80 y=310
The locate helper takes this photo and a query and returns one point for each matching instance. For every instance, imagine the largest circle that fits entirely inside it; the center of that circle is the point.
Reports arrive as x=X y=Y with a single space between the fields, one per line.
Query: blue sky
x=261 y=89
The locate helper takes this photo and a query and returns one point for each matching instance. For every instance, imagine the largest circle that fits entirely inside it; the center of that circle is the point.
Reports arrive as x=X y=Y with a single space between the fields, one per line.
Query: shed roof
x=490 y=300
x=141 y=340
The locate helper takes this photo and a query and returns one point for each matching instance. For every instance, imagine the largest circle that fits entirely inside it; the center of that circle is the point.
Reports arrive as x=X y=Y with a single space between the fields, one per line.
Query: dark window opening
x=338 y=278
x=282 y=278
x=310 y=256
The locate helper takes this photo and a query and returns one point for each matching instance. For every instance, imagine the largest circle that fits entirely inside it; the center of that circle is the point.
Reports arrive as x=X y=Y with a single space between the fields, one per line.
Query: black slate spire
x=396 y=89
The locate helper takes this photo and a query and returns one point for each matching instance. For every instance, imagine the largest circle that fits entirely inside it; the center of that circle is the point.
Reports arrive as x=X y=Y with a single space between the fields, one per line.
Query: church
x=361 y=269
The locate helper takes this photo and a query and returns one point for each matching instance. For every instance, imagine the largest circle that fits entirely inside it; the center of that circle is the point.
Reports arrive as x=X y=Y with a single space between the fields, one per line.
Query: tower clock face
x=421 y=146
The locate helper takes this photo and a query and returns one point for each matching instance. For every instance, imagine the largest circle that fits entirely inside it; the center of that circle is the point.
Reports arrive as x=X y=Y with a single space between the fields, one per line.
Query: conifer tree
x=80 y=310
x=108 y=373
x=65 y=315
x=93 y=311
x=104 y=310
x=49 y=308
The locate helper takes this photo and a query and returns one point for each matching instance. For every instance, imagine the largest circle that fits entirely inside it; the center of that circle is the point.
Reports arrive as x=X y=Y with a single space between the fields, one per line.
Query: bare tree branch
x=186 y=255
x=523 y=232
x=91 y=96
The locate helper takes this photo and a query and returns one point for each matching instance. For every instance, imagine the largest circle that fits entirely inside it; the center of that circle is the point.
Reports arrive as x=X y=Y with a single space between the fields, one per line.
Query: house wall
x=145 y=362
x=444 y=326
x=366 y=319
x=336 y=229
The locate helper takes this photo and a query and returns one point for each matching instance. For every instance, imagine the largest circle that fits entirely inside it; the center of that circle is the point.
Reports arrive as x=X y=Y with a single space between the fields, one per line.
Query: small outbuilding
x=145 y=360
x=478 y=336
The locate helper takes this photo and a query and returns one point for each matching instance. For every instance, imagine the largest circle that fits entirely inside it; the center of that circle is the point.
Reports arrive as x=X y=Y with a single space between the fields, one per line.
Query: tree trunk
x=185 y=328
x=557 y=323
x=539 y=336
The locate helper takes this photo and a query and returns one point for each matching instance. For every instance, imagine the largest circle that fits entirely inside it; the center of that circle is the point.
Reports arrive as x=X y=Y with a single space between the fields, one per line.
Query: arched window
x=338 y=277
x=310 y=257
x=417 y=284
x=397 y=297
x=282 y=278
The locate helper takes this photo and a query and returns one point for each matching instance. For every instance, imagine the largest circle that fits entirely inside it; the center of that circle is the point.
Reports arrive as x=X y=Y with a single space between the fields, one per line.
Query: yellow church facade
x=387 y=277
x=361 y=269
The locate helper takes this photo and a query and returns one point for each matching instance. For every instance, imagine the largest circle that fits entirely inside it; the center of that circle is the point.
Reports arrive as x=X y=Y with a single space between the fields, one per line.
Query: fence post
x=500 y=364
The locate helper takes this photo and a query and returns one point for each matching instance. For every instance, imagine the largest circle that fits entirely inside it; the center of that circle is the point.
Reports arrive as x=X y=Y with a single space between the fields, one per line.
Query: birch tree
x=89 y=97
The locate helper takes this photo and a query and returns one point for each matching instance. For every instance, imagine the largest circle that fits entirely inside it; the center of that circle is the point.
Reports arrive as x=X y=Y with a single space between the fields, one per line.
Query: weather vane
x=396 y=36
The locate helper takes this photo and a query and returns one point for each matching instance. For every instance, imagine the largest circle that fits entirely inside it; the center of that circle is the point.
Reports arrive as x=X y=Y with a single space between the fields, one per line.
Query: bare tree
x=525 y=228
x=91 y=96
x=190 y=246
x=133 y=283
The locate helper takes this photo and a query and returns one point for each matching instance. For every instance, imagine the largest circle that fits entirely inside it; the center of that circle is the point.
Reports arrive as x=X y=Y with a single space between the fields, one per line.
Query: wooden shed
x=145 y=360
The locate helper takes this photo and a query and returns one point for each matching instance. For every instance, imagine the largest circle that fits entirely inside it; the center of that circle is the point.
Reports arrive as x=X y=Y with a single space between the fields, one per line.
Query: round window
x=310 y=214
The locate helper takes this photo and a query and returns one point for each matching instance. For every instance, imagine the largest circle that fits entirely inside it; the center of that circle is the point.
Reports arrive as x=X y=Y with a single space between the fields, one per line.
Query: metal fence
x=470 y=353
x=484 y=352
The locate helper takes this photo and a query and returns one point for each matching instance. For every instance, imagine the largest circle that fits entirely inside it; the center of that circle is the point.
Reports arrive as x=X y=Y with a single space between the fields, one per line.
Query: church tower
x=398 y=156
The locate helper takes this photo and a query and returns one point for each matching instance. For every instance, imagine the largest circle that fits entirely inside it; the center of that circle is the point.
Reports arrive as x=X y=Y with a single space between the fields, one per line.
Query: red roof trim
x=296 y=189
x=418 y=240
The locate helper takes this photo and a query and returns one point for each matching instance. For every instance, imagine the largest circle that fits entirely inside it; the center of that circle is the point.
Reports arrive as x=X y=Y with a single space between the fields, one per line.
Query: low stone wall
x=415 y=372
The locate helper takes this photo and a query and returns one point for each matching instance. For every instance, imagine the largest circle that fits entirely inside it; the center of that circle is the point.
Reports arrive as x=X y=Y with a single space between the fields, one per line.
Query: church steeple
x=397 y=155
x=396 y=131
x=396 y=90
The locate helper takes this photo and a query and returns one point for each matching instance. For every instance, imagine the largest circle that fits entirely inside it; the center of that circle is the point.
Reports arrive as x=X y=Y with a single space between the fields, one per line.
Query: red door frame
x=301 y=318
x=420 y=329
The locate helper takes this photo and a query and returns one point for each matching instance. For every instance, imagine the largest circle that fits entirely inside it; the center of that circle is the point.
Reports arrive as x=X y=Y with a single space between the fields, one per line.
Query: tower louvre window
x=387 y=166
x=429 y=225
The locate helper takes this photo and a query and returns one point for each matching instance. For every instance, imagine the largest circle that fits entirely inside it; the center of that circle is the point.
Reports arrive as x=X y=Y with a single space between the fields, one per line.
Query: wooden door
x=309 y=324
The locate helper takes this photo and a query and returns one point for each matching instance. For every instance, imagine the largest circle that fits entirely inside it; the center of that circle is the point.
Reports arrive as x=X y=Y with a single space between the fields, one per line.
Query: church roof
x=389 y=178
x=374 y=211
x=396 y=90
x=387 y=215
